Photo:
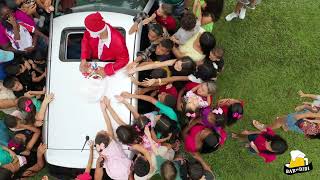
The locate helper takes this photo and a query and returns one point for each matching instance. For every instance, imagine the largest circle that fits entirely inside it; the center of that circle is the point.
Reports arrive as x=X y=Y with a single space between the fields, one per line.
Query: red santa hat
x=95 y=24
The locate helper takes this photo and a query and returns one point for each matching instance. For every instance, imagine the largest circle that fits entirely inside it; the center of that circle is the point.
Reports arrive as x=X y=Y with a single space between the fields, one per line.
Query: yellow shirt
x=188 y=49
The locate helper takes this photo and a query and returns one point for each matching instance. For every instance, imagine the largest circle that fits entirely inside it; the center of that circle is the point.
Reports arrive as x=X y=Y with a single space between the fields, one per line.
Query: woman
x=197 y=47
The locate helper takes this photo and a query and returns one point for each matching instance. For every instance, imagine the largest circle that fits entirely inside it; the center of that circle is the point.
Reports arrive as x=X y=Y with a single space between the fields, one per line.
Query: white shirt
x=25 y=39
x=104 y=42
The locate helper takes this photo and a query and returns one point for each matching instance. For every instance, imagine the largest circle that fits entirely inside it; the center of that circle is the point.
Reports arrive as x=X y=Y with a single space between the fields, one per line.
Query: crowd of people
x=177 y=75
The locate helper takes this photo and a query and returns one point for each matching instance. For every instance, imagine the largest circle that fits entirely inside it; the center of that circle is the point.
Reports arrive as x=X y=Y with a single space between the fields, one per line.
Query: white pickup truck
x=75 y=113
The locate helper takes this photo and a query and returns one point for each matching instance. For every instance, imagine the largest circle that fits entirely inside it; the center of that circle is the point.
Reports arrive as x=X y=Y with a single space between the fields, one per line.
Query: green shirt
x=166 y=110
x=36 y=103
x=160 y=160
x=5 y=157
x=208 y=27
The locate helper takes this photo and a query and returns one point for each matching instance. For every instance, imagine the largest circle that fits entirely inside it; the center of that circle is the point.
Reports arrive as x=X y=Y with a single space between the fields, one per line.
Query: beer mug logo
x=298 y=163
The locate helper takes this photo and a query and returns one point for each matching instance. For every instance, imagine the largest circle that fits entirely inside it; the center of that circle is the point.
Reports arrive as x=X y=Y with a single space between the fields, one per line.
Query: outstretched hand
x=120 y=98
x=125 y=94
x=104 y=102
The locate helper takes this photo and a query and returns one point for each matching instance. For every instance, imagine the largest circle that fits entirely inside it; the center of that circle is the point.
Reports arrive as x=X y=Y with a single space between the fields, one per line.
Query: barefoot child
x=313 y=107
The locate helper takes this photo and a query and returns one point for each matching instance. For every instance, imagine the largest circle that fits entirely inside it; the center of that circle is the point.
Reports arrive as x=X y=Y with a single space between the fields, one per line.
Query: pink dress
x=190 y=140
x=260 y=143
x=117 y=164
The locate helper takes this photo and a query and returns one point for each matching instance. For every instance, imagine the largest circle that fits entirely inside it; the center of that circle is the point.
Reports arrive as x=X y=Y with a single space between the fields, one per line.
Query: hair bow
x=191 y=115
x=218 y=111
x=100 y=147
x=236 y=115
x=27 y=105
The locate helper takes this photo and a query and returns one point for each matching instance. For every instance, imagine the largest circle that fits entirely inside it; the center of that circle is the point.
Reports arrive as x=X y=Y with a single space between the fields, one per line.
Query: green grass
x=270 y=55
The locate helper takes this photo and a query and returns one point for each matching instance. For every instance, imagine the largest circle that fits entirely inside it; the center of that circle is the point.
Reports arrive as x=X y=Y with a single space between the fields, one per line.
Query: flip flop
x=258 y=125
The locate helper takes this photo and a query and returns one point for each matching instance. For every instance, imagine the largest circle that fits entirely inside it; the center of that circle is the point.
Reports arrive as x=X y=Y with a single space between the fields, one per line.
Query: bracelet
x=159 y=79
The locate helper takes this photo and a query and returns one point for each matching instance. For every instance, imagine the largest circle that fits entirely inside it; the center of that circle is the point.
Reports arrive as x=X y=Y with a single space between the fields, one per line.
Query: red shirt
x=172 y=90
x=260 y=142
x=169 y=22
x=116 y=51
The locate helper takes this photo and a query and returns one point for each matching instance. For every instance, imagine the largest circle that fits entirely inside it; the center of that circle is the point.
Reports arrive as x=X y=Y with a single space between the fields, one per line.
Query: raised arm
x=114 y=114
x=204 y=164
x=163 y=81
x=141 y=97
x=132 y=109
x=40 y=162
x=153 y=65
x=90 y=161
x=103 y=104
x=47 y=99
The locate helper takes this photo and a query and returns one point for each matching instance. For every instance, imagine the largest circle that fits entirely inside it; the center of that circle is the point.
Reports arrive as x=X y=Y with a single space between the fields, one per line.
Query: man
x=102 y=41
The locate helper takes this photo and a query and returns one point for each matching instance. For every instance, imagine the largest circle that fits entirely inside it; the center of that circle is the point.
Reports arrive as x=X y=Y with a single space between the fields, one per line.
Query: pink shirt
x=260 y=142
x=117 y=164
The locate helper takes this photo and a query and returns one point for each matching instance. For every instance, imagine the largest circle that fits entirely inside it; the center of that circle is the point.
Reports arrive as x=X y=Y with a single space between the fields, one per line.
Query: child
x=240 y=9
x=27 y=74
x=27 y=5
x=303 y=122
x=155 y=35
x=216 y=58
x=204 y=72
x=163 y=109
x=209 y=12
x=159 y=132
x=232 y=110
x=205 y=90
x=9 y=160
x=163 y=51
x=266 y=143
x=16 y=124
x=116 y=162
x=20 y=90
x=199 y=139
x=86 y=175
x=192 y=104
x=313 y=107
x=33 y=110
x=183 y=66
x=162 y=16
x=24 y=140
x=189 y=27
x=197 y=170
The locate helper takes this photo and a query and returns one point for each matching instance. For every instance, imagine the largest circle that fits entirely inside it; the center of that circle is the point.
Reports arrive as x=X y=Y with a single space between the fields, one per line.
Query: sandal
x=258 y=125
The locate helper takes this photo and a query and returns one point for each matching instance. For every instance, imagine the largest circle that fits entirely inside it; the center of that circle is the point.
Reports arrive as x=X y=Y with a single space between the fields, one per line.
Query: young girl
x=158 y=123
x=313 y=107
x=266 y=143
x=304 y=122
x=86 y=175
x=10 y=160
x=205 y=91
x=216 y=58
x=199 y=139
x=32 y=110
x=116 y=162
x=232 y=110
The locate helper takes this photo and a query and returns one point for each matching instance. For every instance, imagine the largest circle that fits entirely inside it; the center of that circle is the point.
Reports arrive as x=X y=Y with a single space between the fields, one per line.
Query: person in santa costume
x=102 y=41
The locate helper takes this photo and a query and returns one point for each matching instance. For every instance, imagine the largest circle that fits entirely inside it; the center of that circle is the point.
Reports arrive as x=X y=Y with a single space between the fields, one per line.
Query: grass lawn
x=269 y=56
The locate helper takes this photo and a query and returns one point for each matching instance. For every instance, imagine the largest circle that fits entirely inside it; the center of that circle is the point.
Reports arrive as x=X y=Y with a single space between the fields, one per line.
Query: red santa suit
x=112 y=48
